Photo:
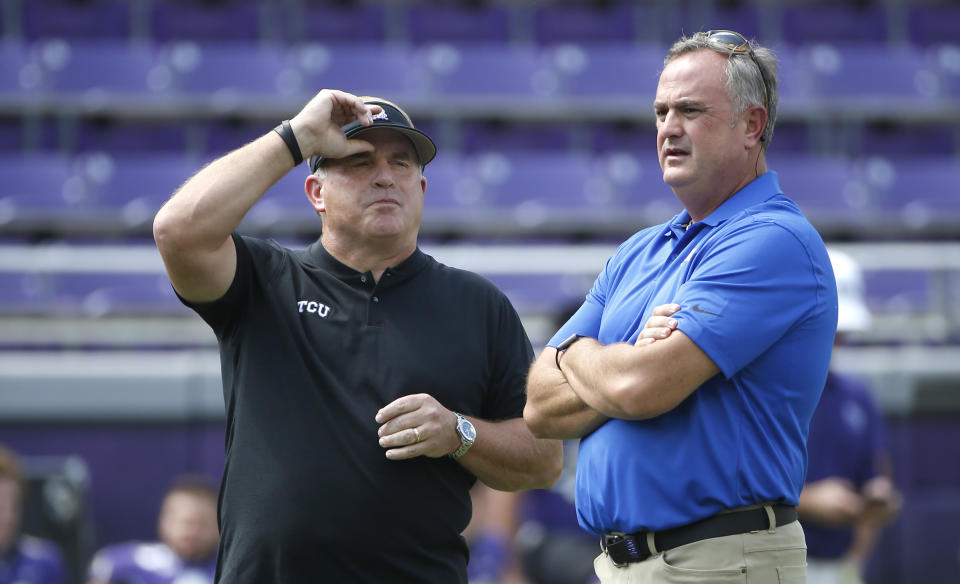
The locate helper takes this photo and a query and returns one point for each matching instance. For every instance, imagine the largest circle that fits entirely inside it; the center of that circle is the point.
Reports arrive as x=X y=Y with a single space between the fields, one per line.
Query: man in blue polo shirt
x=693 y=445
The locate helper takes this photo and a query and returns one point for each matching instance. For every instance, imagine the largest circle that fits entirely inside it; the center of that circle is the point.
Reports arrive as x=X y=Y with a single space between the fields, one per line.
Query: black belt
x=626 y=548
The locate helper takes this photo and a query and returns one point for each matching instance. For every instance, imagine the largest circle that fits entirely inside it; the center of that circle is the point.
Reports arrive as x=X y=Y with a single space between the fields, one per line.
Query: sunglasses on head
x=736 y=43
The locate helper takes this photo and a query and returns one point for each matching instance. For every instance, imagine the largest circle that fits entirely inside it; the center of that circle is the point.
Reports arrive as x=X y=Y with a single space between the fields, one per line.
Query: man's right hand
x=317 y=126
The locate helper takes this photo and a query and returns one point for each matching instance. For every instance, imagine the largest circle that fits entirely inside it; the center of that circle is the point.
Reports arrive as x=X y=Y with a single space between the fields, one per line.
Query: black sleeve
x=257 y=261
x=510 y=356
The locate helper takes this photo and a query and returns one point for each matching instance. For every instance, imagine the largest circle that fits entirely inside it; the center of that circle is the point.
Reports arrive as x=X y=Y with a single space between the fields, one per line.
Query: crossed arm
x=596 y=382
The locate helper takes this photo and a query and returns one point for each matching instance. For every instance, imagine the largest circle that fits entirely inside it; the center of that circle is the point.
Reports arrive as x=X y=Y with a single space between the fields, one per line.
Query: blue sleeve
x=586 y=320
x=752 y=285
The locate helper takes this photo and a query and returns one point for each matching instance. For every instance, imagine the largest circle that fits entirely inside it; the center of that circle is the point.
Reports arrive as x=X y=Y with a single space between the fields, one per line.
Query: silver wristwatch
x=467 y=433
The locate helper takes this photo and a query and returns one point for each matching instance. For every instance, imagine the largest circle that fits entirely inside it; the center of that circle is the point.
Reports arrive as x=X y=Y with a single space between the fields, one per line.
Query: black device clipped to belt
x=627 y=548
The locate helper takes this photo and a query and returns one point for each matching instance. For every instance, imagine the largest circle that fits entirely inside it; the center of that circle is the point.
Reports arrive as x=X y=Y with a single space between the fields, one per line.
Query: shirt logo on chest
x=313 y=307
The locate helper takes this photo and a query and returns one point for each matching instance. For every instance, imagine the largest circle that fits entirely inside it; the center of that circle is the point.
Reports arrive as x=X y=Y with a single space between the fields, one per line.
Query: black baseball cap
x=396 y=119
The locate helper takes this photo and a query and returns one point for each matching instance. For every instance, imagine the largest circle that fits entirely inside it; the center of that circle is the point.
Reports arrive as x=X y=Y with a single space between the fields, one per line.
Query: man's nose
x=670 y=125
x=383 y=174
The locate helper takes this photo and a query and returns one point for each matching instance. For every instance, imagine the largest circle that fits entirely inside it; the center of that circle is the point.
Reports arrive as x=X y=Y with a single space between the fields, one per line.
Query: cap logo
x=381 y=116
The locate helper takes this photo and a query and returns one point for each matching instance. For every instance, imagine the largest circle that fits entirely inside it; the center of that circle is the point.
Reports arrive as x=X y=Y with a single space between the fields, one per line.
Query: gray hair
x=745 y=80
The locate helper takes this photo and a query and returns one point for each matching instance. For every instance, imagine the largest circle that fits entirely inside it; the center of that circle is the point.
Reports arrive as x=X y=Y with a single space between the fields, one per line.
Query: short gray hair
x=745 y=80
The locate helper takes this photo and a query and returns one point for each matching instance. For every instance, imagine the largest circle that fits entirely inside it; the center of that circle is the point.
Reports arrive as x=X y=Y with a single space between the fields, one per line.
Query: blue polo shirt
x=758 y=296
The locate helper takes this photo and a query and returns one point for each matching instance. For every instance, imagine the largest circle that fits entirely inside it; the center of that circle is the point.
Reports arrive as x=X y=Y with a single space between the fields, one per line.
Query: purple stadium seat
x=933 y=23
x=827 y=189
x=69 y=19
x=284 y=202
x=899 y=291
x=620 y=71
x=119 y=137
x=25 y=292
x=102 y=294
x=19 y=73
x=791 y=137
x=11 y=135
x=238 y=20
x=222 y=136
x=37 y=188
x=584 y=23
x=795 y=83
x=631 y=188
x=635 y=138
x=339 y=22
x=921 y=192
x=488 y=71
x=893 y=140
x=454 y=198
x=28 y=133
x=871 y=73
x=542 y=293
x=805 y=23
x=362 y=69
x=742 y=17
x=457 y=23
x=510 y=137
x=100 y=70
x=231 y=72
x=131 y=188
x=534 y=189
x=945 y=61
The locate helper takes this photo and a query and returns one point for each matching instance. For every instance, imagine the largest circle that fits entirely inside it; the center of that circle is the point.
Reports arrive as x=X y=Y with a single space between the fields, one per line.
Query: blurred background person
x=186 y=552
x=849 y=495
x=23 y=559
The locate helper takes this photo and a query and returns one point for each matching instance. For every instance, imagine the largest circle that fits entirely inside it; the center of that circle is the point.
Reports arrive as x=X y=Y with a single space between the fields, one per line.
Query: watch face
x=467 y=429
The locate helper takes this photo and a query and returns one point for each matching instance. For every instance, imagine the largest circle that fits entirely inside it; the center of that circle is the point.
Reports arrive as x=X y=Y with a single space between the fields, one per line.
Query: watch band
x=465 y=441
x=286 y=132
x=565 y=344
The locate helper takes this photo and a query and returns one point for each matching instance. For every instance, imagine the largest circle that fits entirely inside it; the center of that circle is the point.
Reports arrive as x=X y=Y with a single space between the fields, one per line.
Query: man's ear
x=756 y=125
x=313 y=187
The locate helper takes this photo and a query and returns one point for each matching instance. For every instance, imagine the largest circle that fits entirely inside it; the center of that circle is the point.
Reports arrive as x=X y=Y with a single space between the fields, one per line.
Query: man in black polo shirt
x=367 y=386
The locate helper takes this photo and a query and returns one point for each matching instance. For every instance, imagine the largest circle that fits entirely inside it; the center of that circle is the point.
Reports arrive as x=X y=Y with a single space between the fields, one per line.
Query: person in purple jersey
x=186 y=552
x=23 y=559
x=848 y=496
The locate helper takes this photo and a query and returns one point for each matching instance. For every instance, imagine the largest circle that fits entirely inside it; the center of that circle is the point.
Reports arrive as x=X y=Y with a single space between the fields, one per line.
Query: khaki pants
x=758 y=557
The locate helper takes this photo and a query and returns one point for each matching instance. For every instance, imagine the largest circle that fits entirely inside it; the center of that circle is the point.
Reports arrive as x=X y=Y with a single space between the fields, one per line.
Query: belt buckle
x=621 y=546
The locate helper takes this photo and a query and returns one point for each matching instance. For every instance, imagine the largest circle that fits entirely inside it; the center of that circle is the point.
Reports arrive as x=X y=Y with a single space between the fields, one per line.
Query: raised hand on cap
x=317 y=126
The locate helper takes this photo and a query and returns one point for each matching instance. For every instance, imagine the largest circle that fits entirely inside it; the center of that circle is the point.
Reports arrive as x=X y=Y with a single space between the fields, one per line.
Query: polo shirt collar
x=321 y=258
x=760 y=189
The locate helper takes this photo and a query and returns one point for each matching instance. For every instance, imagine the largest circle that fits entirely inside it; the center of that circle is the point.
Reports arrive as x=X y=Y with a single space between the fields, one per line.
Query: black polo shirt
x=310 y=351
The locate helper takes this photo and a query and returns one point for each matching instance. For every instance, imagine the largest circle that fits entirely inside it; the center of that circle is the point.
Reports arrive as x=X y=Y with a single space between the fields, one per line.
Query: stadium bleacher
x=542 y=114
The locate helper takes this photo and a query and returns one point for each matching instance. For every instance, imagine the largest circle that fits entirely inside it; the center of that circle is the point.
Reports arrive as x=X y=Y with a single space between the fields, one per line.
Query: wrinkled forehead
x=698 y=73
